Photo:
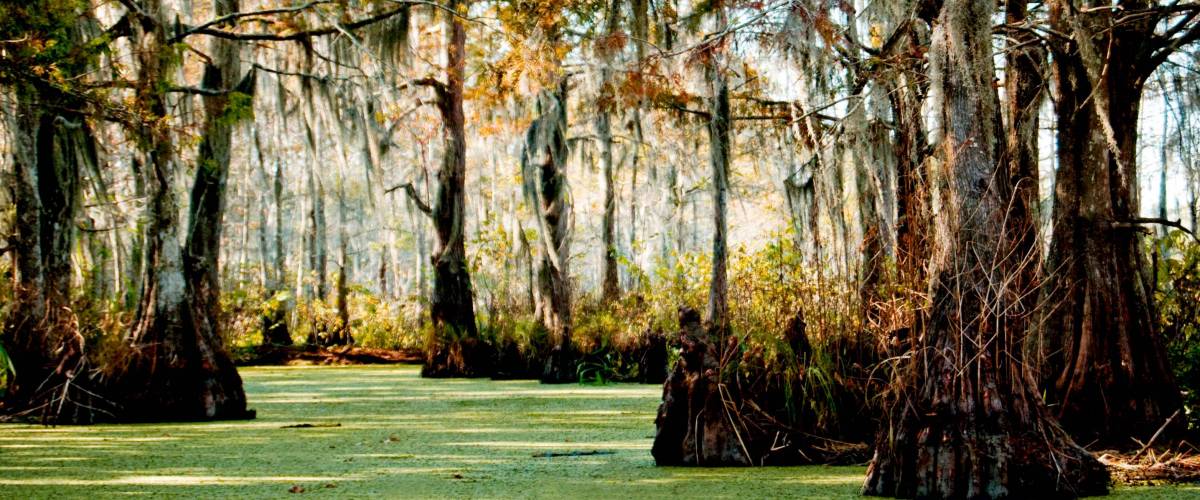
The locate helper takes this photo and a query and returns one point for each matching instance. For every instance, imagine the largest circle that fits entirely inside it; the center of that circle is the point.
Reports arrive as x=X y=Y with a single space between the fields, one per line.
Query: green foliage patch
x=1178 y=298
x=6 y=369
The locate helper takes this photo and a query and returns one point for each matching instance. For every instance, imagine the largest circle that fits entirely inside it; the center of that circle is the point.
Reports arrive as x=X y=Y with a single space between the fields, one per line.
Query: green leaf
x=6 y=369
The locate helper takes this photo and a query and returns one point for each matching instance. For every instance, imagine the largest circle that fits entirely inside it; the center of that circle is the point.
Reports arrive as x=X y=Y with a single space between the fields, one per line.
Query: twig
x=1156 y=434
x=552 y=454
x=309 y=426
x=1162 y=222
x=728 y=402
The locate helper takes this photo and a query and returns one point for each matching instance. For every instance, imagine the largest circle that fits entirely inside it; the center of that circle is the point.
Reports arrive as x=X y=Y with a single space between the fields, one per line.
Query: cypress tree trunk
x=202 y=250
x=719 y=145
x=64 y=140
x=277 y=197
x=40 y=332
x=1106 y=366
x=320 y=241
x=342 y=336
x=137 y=247
x=610 y=286
x=971 y=423
x=266 y=276
x=1023 y=88
x=913 y=201
x=310 y=239
x=543 y=165
x=176 y=367
x=275 y=314
x=455 y=349
x=23 y=335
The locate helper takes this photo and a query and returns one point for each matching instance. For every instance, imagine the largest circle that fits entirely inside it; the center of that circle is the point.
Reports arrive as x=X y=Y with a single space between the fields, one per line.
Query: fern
x=6 y=369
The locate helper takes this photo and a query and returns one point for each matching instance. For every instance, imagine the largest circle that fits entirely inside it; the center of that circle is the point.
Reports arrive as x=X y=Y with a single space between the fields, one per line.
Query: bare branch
x=197 y=91
x=301 y=35
x=412 y=195
x=439 y=88
x=239 y=15
x=684 y=109
x=1172 y=44
x=319 y=78
x=1137 y=221
x=787 y=118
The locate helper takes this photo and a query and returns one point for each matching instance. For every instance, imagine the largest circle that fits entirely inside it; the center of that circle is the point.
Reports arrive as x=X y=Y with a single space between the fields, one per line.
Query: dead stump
x=560 y=367
x=731 y=404
x=468 y=357
x=275 y=327
x=513 y=363
x=693 y=425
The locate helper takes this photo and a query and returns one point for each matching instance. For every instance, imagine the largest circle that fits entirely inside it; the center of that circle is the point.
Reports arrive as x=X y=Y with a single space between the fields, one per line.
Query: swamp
x=382 y=431
x=600 y=248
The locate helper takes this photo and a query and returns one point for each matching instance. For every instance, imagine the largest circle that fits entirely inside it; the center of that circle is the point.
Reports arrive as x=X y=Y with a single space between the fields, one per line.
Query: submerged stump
x=693 y=427
x=725 y=405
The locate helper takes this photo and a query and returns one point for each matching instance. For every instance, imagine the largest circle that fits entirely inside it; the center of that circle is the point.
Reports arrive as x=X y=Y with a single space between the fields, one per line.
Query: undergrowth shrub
x=240 y=315
x=829 y=388
x=374 y=321
x=1178 y=298
x=6 y=369
x=520 y=342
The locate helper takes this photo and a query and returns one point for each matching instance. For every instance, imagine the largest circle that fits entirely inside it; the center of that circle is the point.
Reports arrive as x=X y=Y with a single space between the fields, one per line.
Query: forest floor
x=359 y=431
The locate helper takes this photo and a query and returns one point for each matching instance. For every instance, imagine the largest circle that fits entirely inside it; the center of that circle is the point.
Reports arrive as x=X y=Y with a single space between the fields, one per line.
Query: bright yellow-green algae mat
x=382 y=431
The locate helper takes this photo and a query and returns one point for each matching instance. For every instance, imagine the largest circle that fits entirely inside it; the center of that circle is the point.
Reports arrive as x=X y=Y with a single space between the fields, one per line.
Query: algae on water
x=383 y=431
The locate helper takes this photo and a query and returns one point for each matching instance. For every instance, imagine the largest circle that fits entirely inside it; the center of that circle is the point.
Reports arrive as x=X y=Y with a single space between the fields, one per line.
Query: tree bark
x=343 y=336
x=320 y=244
x=24 y=336
x=971 y=424
x=176 y=367
x=913 y=196
x=275 y=311
x=1023 y=88
x=1106 y=367
x=49 y=142
x=455 y=349
x=202 y=251
x=610 y=286
x=136 y=259
x=543 y=166
x=719 y=145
